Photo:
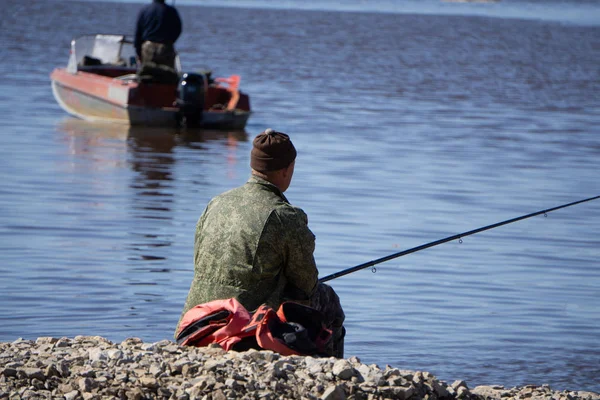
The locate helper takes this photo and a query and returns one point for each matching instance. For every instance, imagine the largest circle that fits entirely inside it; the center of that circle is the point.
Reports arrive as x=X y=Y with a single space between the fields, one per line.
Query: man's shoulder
x=156 y=7
x=290 y=213
x=146 y=10
x=227 y=195
x=245 y=196
x=149 y=7
x=235 y=192
x=171 y=10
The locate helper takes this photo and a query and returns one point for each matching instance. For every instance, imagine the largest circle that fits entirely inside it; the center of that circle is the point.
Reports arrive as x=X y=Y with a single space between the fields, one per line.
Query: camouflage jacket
x=252 y=244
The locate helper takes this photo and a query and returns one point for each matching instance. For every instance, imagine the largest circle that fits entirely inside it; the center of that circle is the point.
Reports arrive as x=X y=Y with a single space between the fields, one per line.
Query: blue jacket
x=157 y=22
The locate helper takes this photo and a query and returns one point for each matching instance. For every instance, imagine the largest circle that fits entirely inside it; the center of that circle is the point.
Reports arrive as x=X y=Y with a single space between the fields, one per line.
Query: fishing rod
x=448 y=239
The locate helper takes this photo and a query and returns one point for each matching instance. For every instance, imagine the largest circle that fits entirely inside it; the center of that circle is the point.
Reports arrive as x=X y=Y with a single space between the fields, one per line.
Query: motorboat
x=103 y=81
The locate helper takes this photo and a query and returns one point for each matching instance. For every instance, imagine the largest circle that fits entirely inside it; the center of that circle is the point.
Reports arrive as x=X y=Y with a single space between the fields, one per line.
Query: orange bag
x=294 y=329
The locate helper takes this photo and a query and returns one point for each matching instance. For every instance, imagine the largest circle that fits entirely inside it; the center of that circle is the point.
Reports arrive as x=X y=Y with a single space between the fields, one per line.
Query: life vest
x=294 y=329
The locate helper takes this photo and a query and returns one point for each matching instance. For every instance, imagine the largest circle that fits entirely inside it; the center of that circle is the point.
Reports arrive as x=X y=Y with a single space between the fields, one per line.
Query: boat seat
x=156 y=73
x=88 y=61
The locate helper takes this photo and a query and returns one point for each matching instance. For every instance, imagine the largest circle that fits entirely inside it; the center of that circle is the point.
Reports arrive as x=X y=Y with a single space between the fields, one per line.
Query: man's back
x=253 y=245
x=159 y=23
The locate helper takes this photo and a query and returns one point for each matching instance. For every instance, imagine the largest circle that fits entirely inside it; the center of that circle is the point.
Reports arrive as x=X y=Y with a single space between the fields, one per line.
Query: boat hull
x=95 y=97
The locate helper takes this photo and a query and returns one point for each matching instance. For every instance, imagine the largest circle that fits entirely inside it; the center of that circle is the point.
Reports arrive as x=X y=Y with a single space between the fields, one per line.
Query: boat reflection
x=146 y=150
x=134 y=167
x=97 y=133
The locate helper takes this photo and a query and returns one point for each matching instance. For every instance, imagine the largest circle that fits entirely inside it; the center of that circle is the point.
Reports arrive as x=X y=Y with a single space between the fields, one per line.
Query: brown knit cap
x=272 y=151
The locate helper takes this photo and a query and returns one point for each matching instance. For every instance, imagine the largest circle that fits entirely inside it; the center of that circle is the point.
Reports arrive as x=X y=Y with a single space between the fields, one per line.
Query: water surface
x=411 y=125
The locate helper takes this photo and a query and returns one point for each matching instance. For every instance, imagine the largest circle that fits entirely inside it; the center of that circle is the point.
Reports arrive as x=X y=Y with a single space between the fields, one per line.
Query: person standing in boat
x=158 y=28
x=253 y=245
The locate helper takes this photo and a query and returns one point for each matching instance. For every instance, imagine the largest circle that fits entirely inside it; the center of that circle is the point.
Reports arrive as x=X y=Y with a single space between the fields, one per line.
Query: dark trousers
x=158 y=53
x=327 y=302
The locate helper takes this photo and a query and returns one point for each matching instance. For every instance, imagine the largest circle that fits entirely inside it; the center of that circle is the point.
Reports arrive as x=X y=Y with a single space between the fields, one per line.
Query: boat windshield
x=115 y=50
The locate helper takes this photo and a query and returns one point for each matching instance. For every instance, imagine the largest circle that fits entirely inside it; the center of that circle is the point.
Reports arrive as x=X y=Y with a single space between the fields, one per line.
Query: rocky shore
x=93 y=368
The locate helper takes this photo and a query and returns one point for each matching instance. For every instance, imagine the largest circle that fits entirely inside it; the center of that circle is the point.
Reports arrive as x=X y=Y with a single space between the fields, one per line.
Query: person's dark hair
x=271 y=151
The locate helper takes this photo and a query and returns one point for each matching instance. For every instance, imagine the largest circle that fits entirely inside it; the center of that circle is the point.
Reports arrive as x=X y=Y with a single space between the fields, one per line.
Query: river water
x=413 y=121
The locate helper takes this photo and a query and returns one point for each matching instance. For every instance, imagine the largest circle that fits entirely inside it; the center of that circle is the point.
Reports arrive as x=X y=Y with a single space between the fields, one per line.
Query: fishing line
x=448 y=239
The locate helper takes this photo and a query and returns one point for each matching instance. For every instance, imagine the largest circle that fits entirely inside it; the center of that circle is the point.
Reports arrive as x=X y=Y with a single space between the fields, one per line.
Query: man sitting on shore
x=253 y=245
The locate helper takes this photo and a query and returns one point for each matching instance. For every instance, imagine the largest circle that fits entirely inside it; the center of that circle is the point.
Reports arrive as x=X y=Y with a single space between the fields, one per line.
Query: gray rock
x=71 y=395
x=148 y=382
x=114 y=354
x=440 y=389
x=456 y=384
x=85 y=384
x=97 y=354
x=34 y=373
x=45 y=340
x=9 y=372
x=63 y=342
x=343 y=369
x=462 y=392
x=334 y=393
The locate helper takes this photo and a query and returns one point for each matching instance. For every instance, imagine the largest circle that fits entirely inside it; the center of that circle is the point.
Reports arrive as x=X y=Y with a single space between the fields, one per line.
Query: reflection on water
x=97 y=133
x=148 y=156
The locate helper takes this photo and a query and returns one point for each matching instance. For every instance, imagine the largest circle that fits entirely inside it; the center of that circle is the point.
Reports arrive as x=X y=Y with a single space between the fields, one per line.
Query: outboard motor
x=190 y=98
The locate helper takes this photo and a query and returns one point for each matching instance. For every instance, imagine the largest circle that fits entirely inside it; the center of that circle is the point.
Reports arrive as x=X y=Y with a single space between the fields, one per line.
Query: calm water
x=413 y=123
